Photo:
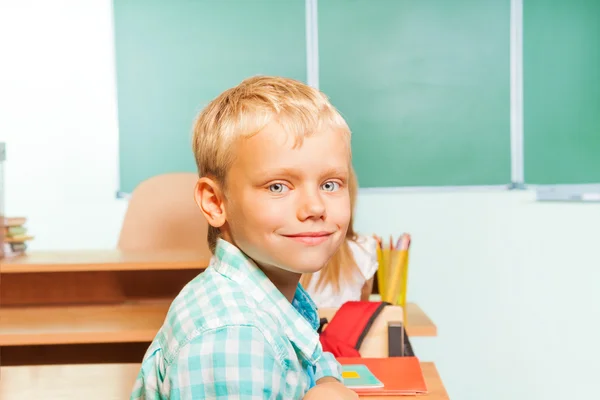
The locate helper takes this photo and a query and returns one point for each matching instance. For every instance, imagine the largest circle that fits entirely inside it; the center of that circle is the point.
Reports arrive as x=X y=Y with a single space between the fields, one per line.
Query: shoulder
x=211 y=306
x=364 y=250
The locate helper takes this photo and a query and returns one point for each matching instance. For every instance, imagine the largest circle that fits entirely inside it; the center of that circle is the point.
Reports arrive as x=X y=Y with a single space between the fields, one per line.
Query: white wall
x=513 y=285
x=58 y=117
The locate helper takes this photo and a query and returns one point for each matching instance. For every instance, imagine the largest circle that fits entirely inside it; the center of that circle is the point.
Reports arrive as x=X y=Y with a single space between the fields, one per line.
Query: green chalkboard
x=174 y=56
x=561 y=90
x=424 y=85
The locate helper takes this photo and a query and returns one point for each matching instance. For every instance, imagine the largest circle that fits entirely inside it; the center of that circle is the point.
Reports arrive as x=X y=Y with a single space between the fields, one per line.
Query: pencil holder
x=397 y=277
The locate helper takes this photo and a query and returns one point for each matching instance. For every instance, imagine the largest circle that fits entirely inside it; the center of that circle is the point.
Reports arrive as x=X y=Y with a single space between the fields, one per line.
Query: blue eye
x=330 y=186
x=278 y=188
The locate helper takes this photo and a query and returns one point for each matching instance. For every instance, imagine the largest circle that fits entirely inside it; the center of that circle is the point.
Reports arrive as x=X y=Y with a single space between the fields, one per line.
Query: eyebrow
x=291 y=172
x=337 y=172
x=297 y=174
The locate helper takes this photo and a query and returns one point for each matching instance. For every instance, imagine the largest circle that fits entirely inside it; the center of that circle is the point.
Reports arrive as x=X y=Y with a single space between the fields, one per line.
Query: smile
x=310 y=238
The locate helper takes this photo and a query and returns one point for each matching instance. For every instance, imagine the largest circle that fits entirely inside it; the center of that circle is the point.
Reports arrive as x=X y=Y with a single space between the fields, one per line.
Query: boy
x=274 y=162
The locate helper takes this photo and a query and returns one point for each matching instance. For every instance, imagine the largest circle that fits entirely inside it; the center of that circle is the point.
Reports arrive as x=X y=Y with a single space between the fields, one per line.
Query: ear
x=209 y=197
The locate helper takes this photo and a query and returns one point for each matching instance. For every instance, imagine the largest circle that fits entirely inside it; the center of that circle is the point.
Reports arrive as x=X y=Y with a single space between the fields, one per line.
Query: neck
x=285 y=281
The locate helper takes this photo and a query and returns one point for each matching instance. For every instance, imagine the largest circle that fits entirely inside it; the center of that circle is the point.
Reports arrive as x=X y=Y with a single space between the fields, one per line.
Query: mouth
x=310 y=238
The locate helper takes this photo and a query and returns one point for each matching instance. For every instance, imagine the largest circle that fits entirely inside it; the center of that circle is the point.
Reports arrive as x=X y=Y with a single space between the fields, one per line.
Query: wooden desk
x=96 y=276
x=115 y=323
x=104 y=260
x=115 y=381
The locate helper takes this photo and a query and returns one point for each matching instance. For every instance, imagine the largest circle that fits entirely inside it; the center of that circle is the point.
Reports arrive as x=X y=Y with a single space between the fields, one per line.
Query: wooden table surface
x=104 y=260
x=115 y=381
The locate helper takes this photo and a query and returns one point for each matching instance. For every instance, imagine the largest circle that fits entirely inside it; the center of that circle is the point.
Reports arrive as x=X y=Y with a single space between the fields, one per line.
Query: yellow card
x=350 y=375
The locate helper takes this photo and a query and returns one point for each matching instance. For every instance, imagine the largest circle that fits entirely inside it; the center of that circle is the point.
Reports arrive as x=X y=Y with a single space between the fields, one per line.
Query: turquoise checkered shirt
x=230 y=334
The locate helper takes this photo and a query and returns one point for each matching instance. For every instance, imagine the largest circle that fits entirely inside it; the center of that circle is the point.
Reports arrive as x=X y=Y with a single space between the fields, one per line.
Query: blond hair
x=341 y=266
x=247 y=108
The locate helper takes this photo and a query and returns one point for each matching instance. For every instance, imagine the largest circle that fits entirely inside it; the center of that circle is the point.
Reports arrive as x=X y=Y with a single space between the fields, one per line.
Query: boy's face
x=286 y=207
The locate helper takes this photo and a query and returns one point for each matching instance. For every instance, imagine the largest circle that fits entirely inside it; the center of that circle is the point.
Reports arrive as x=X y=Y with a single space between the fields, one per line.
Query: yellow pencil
x=404 y=289
x=404 y=280
x=380 y=279
x=384 y=269
x=396 y=288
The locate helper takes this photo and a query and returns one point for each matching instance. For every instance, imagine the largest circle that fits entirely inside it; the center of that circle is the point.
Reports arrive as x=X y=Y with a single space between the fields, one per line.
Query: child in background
x=349 y=275
x=274 y=162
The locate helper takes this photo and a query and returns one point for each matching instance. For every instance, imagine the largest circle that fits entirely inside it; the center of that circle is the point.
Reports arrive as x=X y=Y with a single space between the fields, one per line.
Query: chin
x=303 y=260
x=308 y=265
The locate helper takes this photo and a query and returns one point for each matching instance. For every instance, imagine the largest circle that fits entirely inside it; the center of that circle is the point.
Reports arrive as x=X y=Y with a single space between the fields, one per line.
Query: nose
x=311 y=206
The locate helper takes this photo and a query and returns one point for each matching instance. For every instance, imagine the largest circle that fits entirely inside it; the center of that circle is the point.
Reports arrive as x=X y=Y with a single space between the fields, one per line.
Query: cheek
x=265 y=214
x=267 y=218
x=340 y=211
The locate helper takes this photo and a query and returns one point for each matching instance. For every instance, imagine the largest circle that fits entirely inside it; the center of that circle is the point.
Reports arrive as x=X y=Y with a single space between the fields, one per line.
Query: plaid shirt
x=230 y=334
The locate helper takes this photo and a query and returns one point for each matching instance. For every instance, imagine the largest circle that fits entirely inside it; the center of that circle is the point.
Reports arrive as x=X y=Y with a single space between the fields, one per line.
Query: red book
x=399 y=375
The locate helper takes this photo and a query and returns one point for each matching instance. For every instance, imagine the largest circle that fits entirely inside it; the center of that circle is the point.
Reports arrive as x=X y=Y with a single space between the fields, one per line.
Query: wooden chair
x=162 y=215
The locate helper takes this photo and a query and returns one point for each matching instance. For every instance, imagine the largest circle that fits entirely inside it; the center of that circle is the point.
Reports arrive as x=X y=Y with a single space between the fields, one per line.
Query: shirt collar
x=299 y=319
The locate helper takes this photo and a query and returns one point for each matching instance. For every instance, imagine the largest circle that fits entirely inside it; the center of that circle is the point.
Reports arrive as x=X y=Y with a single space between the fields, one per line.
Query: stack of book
x=15 y=236
x=390 y=376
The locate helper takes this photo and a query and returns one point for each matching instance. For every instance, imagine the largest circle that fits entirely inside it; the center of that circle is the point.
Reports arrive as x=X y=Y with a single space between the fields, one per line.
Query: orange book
x=401 y=376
